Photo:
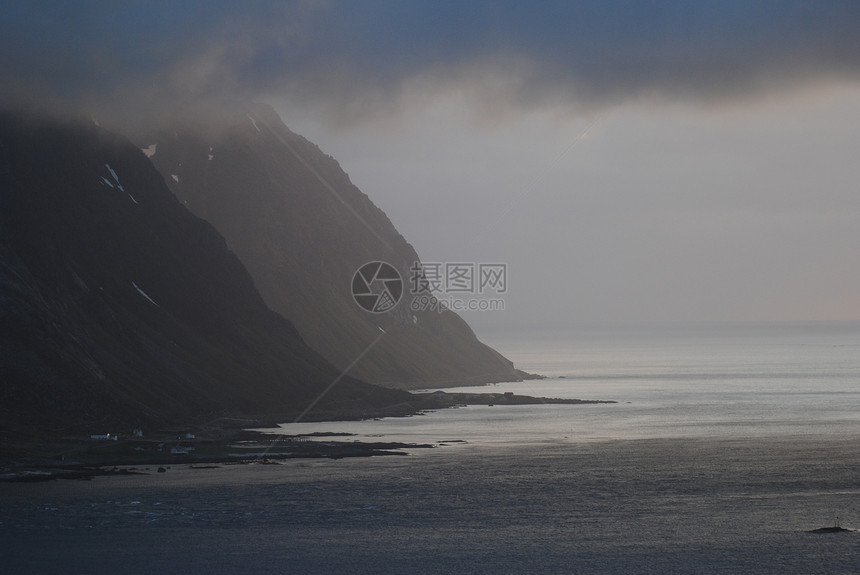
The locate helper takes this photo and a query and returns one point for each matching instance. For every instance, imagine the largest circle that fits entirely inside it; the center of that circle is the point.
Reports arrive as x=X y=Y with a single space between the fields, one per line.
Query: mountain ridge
x=302 y=229
x=119 y=306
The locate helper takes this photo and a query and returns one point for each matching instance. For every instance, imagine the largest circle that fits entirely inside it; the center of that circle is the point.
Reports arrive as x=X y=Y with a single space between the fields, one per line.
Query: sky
x=628 y=161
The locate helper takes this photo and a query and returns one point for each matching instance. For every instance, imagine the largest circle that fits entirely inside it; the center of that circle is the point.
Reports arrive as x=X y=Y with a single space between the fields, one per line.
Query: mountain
x=303 y=229
x=118 y=306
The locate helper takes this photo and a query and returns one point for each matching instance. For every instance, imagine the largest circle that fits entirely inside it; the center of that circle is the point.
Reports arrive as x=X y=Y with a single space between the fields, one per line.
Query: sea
x=726 y=447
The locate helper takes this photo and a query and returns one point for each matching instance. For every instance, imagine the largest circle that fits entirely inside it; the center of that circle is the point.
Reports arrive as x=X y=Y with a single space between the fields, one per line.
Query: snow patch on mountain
x=115 y=184
x=115 y=177
x=144 y=294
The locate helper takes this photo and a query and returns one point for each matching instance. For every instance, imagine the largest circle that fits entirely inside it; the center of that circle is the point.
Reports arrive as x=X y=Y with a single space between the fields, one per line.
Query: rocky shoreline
x=135 y=456
x=227 y=442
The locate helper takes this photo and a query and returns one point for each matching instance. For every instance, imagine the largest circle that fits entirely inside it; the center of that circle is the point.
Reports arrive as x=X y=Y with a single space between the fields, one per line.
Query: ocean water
x=727 y=445
x=704 y=382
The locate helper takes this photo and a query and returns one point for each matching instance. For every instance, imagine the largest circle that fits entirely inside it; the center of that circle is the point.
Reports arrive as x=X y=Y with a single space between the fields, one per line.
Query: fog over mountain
x=304 y=230
x=629 y=162
x=121 y=308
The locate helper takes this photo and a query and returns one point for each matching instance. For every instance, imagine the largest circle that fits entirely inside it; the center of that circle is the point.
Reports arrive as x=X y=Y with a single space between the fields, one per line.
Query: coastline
x=229 y=441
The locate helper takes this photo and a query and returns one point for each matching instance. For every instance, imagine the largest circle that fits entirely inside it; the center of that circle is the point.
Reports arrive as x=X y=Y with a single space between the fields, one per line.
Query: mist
x=656 y=162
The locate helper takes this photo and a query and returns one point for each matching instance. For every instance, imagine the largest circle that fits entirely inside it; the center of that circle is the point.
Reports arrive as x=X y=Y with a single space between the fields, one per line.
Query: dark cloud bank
x=356 y=57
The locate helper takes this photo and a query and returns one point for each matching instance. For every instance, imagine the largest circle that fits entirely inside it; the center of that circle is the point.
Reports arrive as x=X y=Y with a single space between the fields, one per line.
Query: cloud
x=354 y=59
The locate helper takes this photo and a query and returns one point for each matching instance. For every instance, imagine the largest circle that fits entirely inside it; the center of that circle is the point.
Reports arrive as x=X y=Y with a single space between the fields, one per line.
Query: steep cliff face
x=303 y=229
x=119 y=305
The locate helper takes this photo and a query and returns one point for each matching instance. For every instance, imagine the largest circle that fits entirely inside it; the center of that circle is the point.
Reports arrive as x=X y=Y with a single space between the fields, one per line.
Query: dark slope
x=302 y=229
x=117 y=305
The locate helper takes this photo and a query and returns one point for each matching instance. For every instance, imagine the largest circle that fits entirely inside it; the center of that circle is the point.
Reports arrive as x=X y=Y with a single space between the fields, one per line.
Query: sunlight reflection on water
x=716 y=384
